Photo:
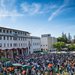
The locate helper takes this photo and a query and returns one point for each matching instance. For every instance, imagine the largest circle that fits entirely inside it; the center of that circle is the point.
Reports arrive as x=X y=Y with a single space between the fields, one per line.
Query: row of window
x=43 y=45
x=12 y=45
x=36 y=49
x=44 y=49
x=12 y=38
x=12 y=31
x=36 y=43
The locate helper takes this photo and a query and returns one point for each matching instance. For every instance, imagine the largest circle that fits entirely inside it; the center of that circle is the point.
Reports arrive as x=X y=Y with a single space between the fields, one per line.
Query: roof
x=34 y=37
x=14 y=29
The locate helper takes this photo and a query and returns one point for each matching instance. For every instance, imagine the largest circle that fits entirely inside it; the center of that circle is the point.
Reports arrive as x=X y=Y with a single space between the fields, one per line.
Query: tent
x=17 y=65
x=8 y=64
x=26 y=67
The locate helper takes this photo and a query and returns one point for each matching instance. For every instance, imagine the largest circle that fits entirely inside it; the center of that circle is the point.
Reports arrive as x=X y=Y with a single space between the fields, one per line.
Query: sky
x=39 y=16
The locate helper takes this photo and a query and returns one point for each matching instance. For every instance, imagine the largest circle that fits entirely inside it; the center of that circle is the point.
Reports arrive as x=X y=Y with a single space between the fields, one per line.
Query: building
x=17 y=42
x=35 y=44
x=47 y=42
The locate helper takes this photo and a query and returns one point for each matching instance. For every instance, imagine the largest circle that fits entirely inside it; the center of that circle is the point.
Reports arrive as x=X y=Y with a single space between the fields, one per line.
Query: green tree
x=1 y=54
x=71 y=47
x=63 y=38
x=59 y=45
x=69 y=38
x=74 y=39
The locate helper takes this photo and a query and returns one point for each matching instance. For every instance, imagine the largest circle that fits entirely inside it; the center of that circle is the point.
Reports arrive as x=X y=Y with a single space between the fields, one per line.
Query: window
x=10 y=44
x=33 y=43
x=15 y=32
x=25 y=33
x=14 y=38
x=19 y=38
x=10 y=31
x=3 y=31
x=0 y=44
x=7 y=31
x=10 y=38
x=15 y=44
x=21 y=33
x=4 y=45
x=0 y=37
x=4 y=37
x=0 y=30
x=7 y=37
x=25 y=39
x=18 y=32
x=21 y=44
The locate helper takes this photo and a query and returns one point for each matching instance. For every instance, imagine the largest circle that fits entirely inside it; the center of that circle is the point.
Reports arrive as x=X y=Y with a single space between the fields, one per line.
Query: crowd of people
x=42 y=64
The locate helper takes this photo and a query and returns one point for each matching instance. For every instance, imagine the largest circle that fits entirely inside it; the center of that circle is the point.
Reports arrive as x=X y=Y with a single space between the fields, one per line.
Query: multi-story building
x=16 y=42
x=35 y=44
x=47 y=42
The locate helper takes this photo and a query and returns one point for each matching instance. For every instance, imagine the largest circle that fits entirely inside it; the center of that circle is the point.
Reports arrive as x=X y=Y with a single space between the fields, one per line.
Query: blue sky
x=39 y=16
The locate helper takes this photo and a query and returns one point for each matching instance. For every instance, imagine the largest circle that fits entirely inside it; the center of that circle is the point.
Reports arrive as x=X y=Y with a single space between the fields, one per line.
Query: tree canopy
x=59 y=45
x=71 y=47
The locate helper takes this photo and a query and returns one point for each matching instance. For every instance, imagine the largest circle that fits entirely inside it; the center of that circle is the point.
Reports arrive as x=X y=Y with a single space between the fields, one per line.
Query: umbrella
x=30 y=60
x=7 y=64
x=4 y=59
x=10 y=68
x=17 y=65
x=26 y=67
x=50 y=65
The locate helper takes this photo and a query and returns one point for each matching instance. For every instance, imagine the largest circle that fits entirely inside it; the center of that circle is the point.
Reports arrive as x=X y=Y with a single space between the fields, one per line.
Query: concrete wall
x=44 y=43
x=47 y=42
x=30 y=42
x=35 y=44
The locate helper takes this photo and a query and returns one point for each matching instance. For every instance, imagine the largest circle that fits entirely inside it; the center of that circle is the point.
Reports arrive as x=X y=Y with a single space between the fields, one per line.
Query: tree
x=74 y=39
x=71 y=47
x=69 y=38
x=59 y=45
x=62 y=39
x=1 y=54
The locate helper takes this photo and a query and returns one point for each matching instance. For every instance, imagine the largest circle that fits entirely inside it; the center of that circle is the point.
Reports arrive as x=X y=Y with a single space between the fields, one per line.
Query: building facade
x=47 y=42
x=35 y=44
x=16 y=42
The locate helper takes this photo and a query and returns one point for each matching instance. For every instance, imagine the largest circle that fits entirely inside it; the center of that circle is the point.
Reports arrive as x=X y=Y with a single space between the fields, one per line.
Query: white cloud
x=7 y=9
x=32 y=9
x=5 y=13
x=37 y=8
x=55 y=13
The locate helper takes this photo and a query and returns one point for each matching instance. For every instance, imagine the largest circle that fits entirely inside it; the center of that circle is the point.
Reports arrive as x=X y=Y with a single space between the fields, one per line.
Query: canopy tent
x=37 y=51
x=8 y=64
x=4 y=59
x=17 y=65
x=26 y=67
